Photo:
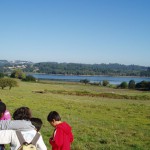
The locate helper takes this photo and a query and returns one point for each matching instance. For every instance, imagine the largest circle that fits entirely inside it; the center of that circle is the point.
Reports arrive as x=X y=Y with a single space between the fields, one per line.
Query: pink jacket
x=6 y=116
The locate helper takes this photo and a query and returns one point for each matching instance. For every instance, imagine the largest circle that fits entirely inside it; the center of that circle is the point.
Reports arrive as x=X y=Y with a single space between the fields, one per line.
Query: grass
x=98 y=122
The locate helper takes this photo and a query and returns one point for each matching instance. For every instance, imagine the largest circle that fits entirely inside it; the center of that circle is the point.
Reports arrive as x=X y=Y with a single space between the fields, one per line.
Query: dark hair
x=37 y=122
x=22 y=113
x=2 y=108
x=53 y=115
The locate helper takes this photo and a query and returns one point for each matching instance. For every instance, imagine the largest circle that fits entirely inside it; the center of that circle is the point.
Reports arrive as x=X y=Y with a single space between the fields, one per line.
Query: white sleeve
x=40 y=144
x=6 y=136
x=4 y=124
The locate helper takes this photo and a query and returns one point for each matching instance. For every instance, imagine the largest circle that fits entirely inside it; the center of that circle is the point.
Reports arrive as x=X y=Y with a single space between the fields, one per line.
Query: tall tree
x=131 y=84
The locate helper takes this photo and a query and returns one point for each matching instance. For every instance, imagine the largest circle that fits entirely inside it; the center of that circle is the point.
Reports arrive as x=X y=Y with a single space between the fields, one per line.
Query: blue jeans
x=2 y=147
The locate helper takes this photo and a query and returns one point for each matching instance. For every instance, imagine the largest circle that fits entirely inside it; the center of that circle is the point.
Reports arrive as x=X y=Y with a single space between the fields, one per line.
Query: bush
x=143 y=85
x=123 y=85
x=85 y=81
x=105 y=82
x=95 y=83
x=29 y=78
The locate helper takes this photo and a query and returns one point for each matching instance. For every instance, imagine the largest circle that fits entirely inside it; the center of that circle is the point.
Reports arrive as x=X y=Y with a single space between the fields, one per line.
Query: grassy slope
x=97 y=123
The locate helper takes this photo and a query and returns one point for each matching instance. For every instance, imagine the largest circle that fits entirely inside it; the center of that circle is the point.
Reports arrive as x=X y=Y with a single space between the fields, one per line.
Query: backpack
x=24 y=144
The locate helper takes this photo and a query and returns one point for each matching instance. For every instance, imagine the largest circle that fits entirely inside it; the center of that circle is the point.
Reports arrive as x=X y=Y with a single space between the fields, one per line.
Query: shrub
x=29 y=78
x=95 y=83
x=85 y=81
x=123 y=85
x=143 y=85
x=105 y=82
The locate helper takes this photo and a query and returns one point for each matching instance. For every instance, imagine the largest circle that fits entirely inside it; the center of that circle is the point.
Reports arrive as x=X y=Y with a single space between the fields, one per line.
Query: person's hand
x=51 y=139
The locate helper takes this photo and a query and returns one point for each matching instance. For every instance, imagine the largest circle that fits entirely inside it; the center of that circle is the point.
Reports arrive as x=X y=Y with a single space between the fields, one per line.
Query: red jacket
x=62 y=137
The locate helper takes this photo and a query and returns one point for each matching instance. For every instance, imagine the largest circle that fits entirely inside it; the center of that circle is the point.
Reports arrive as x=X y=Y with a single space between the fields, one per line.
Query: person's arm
x=58 y=137
x=4 y=124
x=71 y=137
x=16 y=125
x=40 y=144
x=5 y=136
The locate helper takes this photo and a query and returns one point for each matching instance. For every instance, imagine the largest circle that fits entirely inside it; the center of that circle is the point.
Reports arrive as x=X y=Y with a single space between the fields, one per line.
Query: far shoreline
x=30 y=73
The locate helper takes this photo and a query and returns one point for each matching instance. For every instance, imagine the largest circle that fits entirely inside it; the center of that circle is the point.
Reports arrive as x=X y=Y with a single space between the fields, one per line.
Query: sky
x=76 y=31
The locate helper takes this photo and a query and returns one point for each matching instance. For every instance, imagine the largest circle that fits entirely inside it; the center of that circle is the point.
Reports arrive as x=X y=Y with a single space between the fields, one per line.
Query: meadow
x=102 y=118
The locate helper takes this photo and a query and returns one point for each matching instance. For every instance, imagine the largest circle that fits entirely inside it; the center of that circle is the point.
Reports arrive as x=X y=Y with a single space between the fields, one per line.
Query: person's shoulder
x=7 y=115
x=66 y=124
x=7 y=112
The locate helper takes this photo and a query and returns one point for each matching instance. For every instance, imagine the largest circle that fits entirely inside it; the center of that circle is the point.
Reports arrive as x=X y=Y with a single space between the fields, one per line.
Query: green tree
x=12 y=83
x=7 y=82
x=131 y=84
x=1 y=75
x=3 y=83
x=18 y=73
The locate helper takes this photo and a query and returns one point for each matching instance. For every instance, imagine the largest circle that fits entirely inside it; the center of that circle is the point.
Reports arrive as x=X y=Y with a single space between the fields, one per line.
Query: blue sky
x=79 y=31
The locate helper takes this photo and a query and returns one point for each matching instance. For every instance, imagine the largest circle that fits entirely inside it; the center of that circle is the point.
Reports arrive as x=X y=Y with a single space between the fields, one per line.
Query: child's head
x=53 y=118
x=22 y=113
x=2 y=109
x=37 y=122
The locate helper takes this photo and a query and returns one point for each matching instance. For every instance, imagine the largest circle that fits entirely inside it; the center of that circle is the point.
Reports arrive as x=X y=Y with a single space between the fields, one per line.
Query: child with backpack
x=27 y=127
x=62 y=135
x=30 y=142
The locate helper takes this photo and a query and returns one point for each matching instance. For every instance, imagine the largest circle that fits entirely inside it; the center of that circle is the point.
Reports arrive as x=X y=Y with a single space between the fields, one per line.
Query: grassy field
x=99 y=121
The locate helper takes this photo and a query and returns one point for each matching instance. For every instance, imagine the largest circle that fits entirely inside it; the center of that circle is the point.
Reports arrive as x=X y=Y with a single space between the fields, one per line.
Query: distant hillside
x=8 y=66
x=89 y=69
x=75 y=68
x=3 y=62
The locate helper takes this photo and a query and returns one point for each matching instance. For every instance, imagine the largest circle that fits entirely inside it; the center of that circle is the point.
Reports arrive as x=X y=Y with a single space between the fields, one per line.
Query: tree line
x=143 y=85
x=112 y=69
x=88 y=69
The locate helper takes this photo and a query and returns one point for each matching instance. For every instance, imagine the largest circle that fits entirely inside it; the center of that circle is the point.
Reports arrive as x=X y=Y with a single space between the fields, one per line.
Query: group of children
x=28 y=126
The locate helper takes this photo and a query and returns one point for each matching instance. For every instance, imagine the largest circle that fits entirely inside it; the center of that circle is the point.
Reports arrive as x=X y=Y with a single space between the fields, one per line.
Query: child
x=28 y=135
x=4 y=115
x=62 y=136
x=10 y=136
x=21 y=120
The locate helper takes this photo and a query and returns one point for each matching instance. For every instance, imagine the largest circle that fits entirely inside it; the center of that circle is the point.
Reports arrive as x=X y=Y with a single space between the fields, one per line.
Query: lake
x=75 y=78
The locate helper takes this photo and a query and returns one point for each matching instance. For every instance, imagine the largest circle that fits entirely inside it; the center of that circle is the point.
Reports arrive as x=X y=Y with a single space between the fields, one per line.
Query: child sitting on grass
x=4 y=115
x=28 y=132
x=62 y=135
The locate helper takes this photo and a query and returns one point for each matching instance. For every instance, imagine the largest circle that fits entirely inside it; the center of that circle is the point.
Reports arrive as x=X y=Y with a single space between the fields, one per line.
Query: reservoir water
x=75 y=78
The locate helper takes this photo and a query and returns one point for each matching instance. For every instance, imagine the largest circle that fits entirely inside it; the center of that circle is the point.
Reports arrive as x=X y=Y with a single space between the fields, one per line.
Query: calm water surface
x=74 y=78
